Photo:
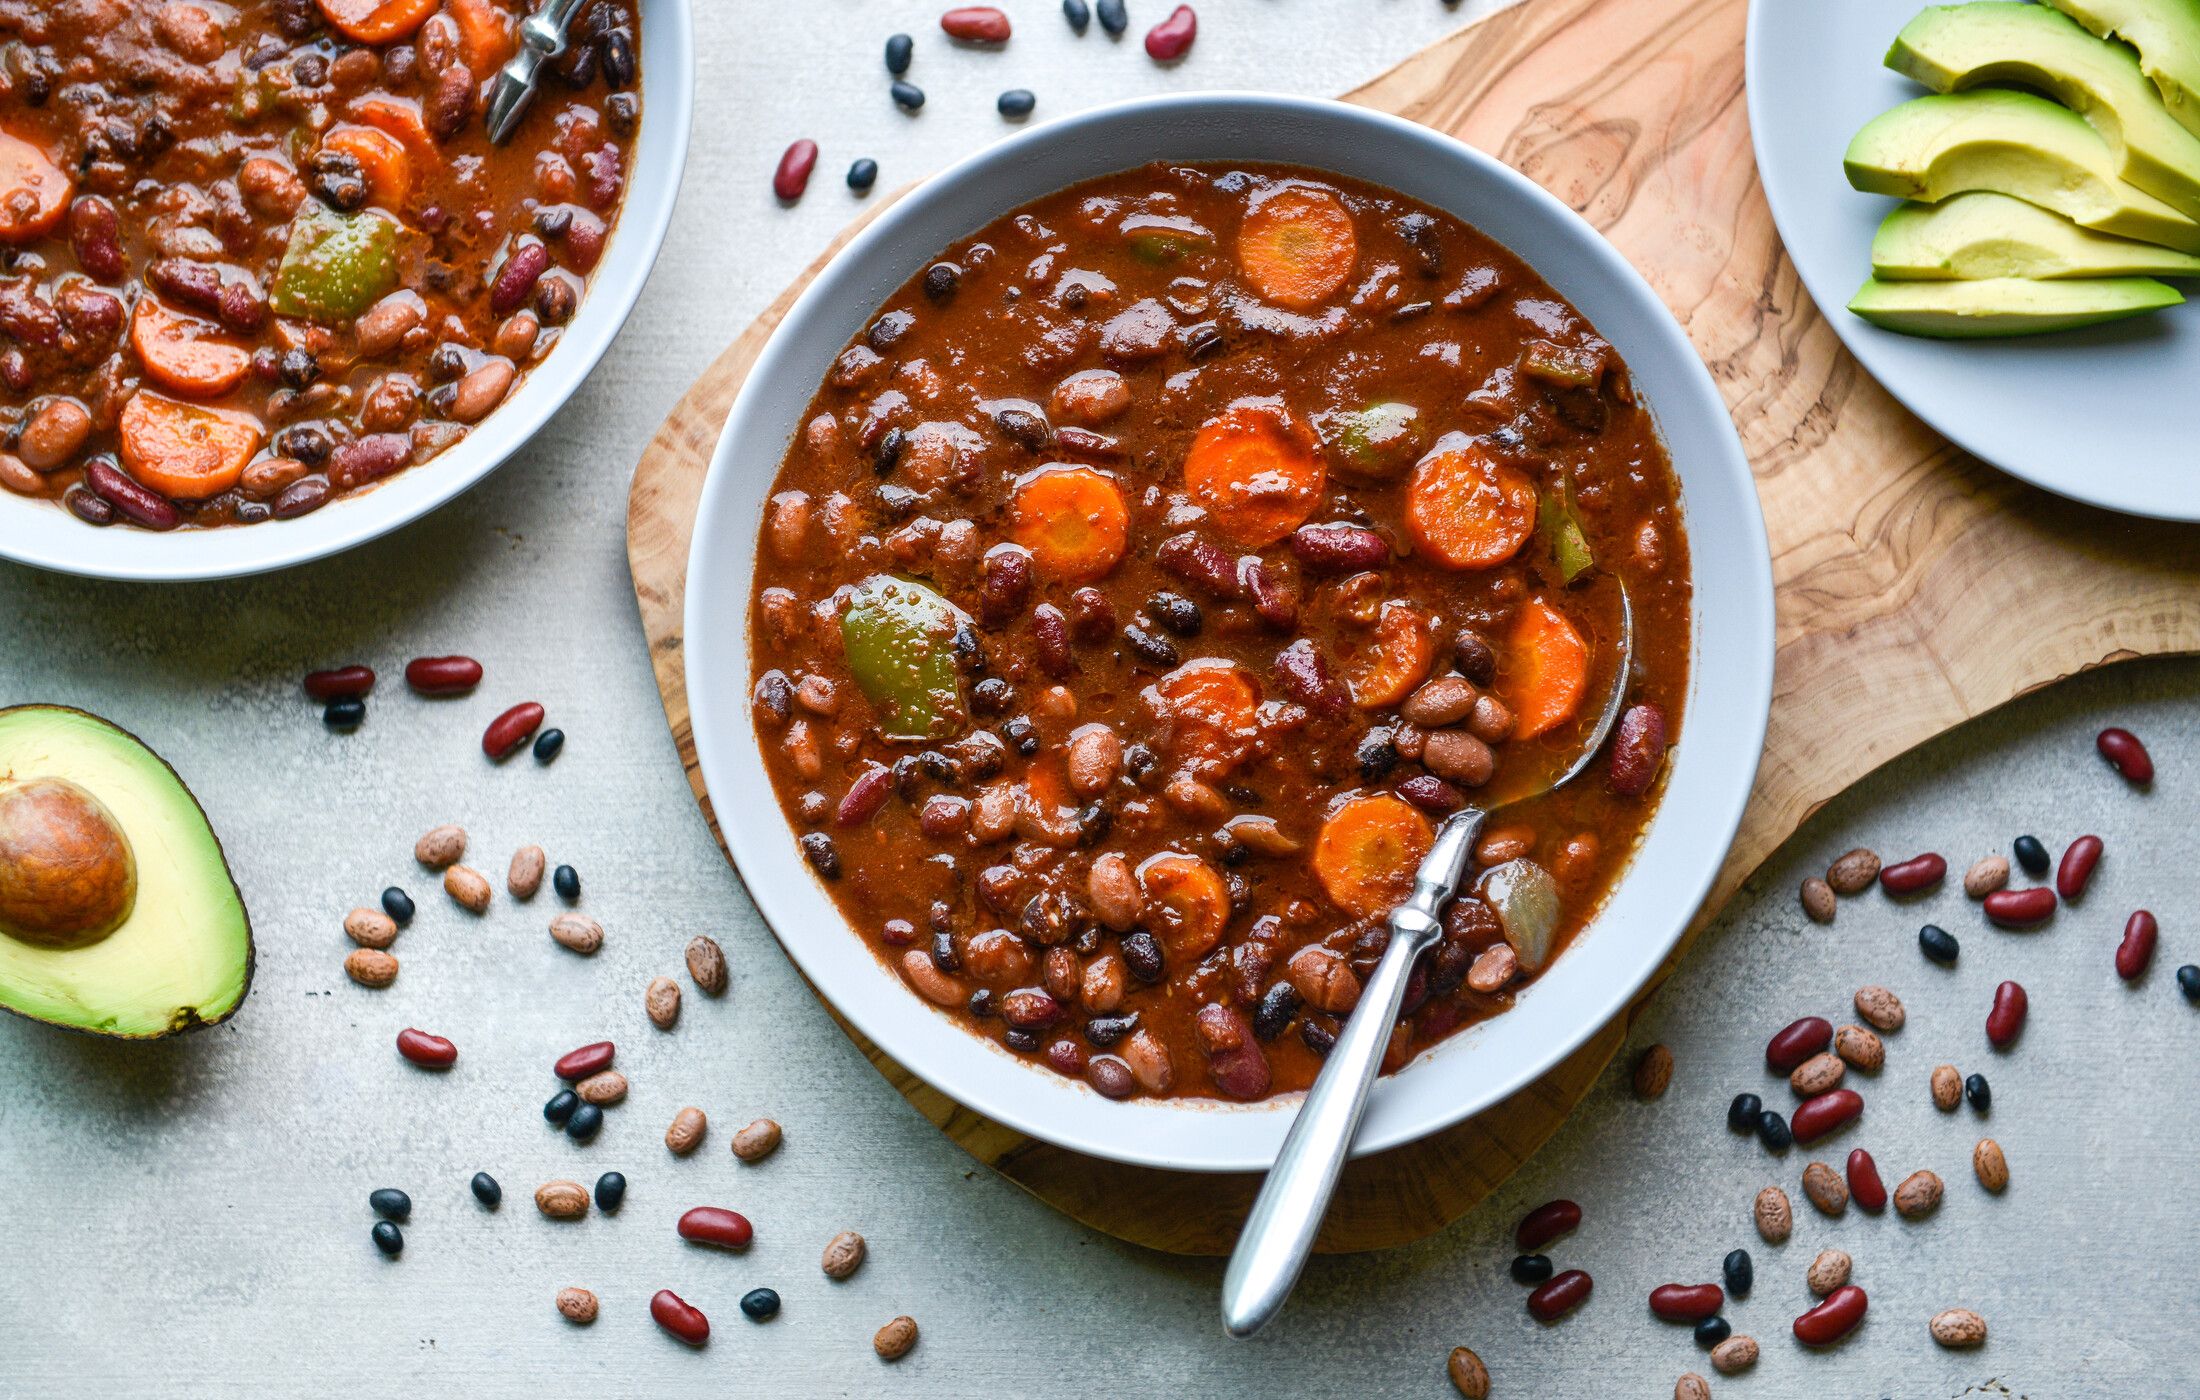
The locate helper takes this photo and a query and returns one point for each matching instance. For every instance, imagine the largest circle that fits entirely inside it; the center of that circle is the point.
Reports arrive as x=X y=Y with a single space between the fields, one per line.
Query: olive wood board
x=1917 y=587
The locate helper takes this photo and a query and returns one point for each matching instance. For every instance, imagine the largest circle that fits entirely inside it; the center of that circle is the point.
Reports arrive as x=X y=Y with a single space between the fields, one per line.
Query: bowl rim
x=653 y=186
x=1220 y=1137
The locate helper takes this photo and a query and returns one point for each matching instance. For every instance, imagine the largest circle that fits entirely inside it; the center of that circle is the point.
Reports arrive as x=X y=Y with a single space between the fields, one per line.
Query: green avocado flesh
x=181 y=954
x=2006 y=305
x=2013 y=143
x=1951 y=47
x=2167 y=35
x=1979 y=235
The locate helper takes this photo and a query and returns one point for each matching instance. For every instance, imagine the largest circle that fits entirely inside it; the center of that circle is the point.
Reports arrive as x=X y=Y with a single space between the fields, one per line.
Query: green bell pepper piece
x=1164 y=238
x=337 y=265
x=1562 y=532
x=899 y=636
x=1381 y=439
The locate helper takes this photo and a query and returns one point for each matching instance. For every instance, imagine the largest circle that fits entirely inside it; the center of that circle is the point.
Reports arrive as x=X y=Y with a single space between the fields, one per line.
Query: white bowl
x=41 y=533
x=1712 y=767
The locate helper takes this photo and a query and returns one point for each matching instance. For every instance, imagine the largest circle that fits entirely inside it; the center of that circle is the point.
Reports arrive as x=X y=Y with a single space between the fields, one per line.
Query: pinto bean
x=1492 y=720
x=386 y=323
x=483 y=388
x=1324 y=979
x=1148 y=1058
x=1443 y=701
x=1458 y=757
x=1091 y=397
x=53 y=434
x=1100 y=987
x=932 y=984
x=1094 y=758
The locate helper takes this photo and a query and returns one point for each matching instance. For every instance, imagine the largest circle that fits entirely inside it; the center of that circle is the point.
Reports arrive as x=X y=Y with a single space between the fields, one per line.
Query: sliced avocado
x=2016 y=143
x=1950 y=47
x=118 y=915
x=2167 y=35
x=2007 y=305
x=1979 y=235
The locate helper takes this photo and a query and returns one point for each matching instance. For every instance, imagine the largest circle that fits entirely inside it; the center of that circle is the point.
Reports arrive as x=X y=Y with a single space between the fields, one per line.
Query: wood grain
x=1916 y=587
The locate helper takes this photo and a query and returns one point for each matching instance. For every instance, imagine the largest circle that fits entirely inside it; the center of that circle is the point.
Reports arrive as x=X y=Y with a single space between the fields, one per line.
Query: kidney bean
x=88 y=507
x=1560 y=1296
x=793 y=175
x=94 y=236
x=425 y=1050
x=728 y=1229
x=1339 y=548
x=1234 y=1058
x=1431 y=794
x=2126 y=755
x=442 y=675
x=1274 y=597
x=976 y=24
x=1050 y=638
x=1546 y=1223
x=342 y=683
x=1169 y=41
x=1815 y=1117
x=1638 y=750
x=197 y=285
x=369 y=458
x=1030 y=1009
x=675 y=1316
x=508 y=731
x=1833 y=1319
x=27 y=317
x=2137 y=949
x=92 y=314
x=515 y=281
x=1086 y=445
x=1797 y=1042
x=242 y=308
x=140 y=506
x=2076 y=870
x=589 y=1059
x=1091 y=616
x=1304 y=675
x=865 y=796
x=2005 y=1022
x=1915 y=874
x=1686 y=1302
x=482 y=389
x=1198 y=561
x=1005 y=585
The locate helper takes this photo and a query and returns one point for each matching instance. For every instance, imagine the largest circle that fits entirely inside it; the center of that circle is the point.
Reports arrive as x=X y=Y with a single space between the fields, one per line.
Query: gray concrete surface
x=190 y=1218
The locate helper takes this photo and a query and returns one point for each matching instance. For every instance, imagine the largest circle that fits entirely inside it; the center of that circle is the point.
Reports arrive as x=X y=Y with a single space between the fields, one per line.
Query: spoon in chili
x=542 y=36
x=1279 y=1234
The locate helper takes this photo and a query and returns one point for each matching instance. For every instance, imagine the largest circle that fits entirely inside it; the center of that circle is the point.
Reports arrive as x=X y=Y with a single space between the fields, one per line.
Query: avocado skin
x=1979 y=235
x=180 y=1018
x=2167 y=35
x=2006 y=306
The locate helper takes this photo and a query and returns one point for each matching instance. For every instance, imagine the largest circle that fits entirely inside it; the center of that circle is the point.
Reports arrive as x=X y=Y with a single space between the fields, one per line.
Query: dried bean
x=1913 y=875
x=757 y=1141
x=1169 y=41
x=1864 y=1183
x=1985 y=876
x=2126 y=755
x=443 y=675
x=1830 y=1270
x=2005 y=1021
x=715 y=1225
x=1824 y=1189
x=2020 y=908
x=1797 y=1042
x=2076 y=870
x=1816 y=1117
x=1990 y=1166
x=1686 y=1302
x=1560 y=1296
x=1818 y=900
x=792 y=176
x=2137 y=948
x=1833 y=1319
x=427 y=1051
x=674 y=1315
x=1545 y=1223
x=1881 y=1007
x=589 y=1059
x=1854 y=871
x=1917 y=1195
x=976 y=24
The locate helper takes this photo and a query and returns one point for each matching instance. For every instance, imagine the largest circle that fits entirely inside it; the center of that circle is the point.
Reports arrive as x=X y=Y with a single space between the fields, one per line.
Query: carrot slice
x=401 y=118
x=1466 y=510
x=185 y=355
x=185 y=451
x=1209 y=710
x=377 y=21
x=1546 y=670
x=1297 y=246
x=1367 y=853
x=1187 y=905
x=1387 y=669
x=384 y=159
x=485 y=36
x=1255 y=471
x=1073 y=521
x=34 y=192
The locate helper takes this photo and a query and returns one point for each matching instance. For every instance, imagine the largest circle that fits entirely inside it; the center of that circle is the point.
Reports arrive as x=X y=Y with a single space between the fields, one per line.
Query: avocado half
x=118 y=914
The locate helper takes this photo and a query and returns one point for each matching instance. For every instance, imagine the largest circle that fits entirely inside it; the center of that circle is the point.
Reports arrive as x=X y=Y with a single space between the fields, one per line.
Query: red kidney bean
x=1091 y=616
x=1546 y=1223
x=1339 y=548
x=1234 y=1059
x=1796 y=1042
x=91 y=313
x=675 y=1316
x=195 y=284
x=141 y=506
x=1005 y=583
x=1304 y=675
x=584 y=241
x=343 y=683
x=1686 y=1302
x=793 y=175
x=369 y=458
x=976 y=24
x=2126 y=755
x=865 y=796
x=508 y=731
x=1171 y=40
x=1917 y=873
x=1638 y=750
x=88 y=507
x=1198 y=561
x=1560 y=1296
x=1086 y=445
x=302 y=498
x=1865 y=1187
x=242 y=308
x=515 y=281
x=728 y=1229
x=427 y=1051
x=2005 y=1022
x=1050 y=638
x=2076 y=870
x=1030 y=1009
x=1431 y=794
x=443 y=675
x=27 y=317
x=589 y=1059
x=2137 y=949
x=1813 y=1118
x=94 y=235
x=1833 y=1319
x=2020 y=908
x=1274 y=597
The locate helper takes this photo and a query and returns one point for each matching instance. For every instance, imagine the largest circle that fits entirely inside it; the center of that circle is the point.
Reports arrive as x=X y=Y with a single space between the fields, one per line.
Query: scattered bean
x=468 y=887
x=1733 y=1355
x=686 y=1131
x=1985 y=876
x=1775 y=1217
x=1913 y=875
x=577 y=1305
x=1938 y=944
x=792 y=176
x=1773 y=1131
x=1830 y=1270
x=508 y=731
x=443 y=675
x=1823 y=1187
x=674 y=1315
x=1741 y=1115
x=560 y=1107
x=1531 y=1269
x=1545 y=1223
x=706 y=963
x=549 y=744
x=586 y=1122
x=370 y=967
x=1979 y=1093
x=390 y=1203
x=1818 y=900
x=2005 y=1021
x=1114 y=18
x=1860 y=1048
x=603 y=1088
x=1686 y=1302
x=1740 y=1271
x=1881 y=1007
x=1958 y=1328
x=1691 y=1387
x=370 y=928
x=486 y=1190
x=610 y=1192
x=2188 y=982
x=907 y=95
x=1865 y=1186
x=1170 y=40
x=760 y=1305
x=1712 y=1331
x=525 y=875
x=899 y=48
x=2076 y=871
x=1560 y=1296
x=1917 y=1195
x=562 y=1200
x=2020 y=909
x=342 y=683
x=1468 y=1375
x=893 y=1341
x=1818 y=1074
x=844 y=1254
x=1853 y=872
x=757 y=1141
x=1833 y=1319
x=589 y=1059
x=1797 y=1042
x=862 y=174
x=2126 y=755
x=976 y=24
x=715 y=1225
x=567 y=882
x=2031 y=854
x=1816 y=1117
x=1653 y=1073
x=2137 y=948
x=388 y=1238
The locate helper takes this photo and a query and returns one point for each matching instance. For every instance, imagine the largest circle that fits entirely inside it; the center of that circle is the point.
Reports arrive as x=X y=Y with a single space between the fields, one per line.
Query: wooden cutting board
x=1917 y=587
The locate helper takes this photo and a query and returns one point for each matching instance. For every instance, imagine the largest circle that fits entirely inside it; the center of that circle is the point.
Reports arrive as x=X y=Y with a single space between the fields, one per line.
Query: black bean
x=1938 y=944
x=1094 y=822
x=549 y=744
x=2188 y=981
x=618 y=59
x=1113 y=17
x=863 y=174
x=1156 y=650
x=586 y=1122
x=610 y=1191
x=1177 y=613
x=1025 y=428
x=1140 y=762
x=1016 y=103
x=398 y=905
x=1142 y=955
x=624 y=112
x=390 y=1203
x=907 y=96
x=1377 y=754
x=1022 y=735
x=89 y=507
x=561 y=1106
x=944 y=955
x=1078 y=13
x=1104 y=1031
x=1773 y=1131
x=1420 y=230
x=1474 y=656
x=306 y=443
x=969 y=651
x=1201 y=340
x=1712 y=1331
x=890 y=329
x=823 y=855
x=1277 y=1006
x=1741 y=1115
x=388 y=1238
x=1740 y=1273
x=347 y=713
x=1319 y=1037
x=2031 y=855
x=760 y=1304
x=567 y=882
x=486 y=1190
x=980 y=1003
x=1531 y=1268
x=1979 y=1092
x=941 y=279
x=299 y=368
x=1017 y=1038
x=888 y=450
x=899 y=48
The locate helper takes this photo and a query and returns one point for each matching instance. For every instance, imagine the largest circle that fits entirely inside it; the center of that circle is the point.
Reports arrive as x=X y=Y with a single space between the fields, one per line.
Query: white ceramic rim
x=1711 y=771
x=41 y=534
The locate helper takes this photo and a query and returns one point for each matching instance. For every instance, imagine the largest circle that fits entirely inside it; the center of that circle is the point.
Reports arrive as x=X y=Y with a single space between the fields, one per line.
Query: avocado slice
x=2016 y=143
x=1950 y=47
x=2007 y=305
x=2167 y=35
x=118 y=914
x=1979 y=235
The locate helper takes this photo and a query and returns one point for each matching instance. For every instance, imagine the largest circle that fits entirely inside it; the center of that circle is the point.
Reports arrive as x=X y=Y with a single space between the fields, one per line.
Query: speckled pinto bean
x=1560 y=1296
x=2020 y=908
x=1797 y=1042
x=2137 y=950
x=675 y=1316
x=508 y=731
x=715 y=1225
x=1686 y=1302
x=2005 y=1022
x=1814 y=1118
x=1833 y=1319
x=1865 y=1187
x=1912 y=876
x=427 y=1051
x=1546 y=1223
x=578 y=1064
x=2076 y=870
x=2126 y=755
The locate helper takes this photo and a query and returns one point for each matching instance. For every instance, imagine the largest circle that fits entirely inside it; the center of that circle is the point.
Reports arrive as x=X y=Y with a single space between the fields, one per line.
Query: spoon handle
x=1279 y=1234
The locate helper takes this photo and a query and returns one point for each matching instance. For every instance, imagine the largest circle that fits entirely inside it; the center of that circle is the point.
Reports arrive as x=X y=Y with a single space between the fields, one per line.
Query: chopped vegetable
x=1255 y=471
x=1368 y=852
x=1072 y=520
x=1209 y=710
x=382 y=157
x=377 y=21
x=1525 y=899
x=1379 y=440
x=183 y=354
x=899 y=638
x=485 y=35
x=1297 y=246
x=1466 y=510
x=1386 y=670
x=1560 y=526
x=1546 y=670
x=337 y=265
x=185 y=451
x=1187 y=905
x=1564 y=366
x=1164 y=238
x=34 y=192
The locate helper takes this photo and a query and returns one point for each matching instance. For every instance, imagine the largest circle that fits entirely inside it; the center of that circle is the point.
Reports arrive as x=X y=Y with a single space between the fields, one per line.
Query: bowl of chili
x=273 y=292
x=1203 y=381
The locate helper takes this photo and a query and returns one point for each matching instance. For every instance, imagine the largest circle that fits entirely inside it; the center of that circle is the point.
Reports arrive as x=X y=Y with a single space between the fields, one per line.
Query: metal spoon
x=1279 y=1234
x=541 y=36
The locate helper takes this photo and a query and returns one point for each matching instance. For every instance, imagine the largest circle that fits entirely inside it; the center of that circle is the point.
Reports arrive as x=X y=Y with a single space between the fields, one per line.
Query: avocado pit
x=68 y=877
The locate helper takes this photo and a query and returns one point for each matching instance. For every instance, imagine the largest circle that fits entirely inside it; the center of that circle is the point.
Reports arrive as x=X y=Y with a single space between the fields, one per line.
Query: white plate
x=2102 y=415
x=43 y=534
x=1712 y=767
